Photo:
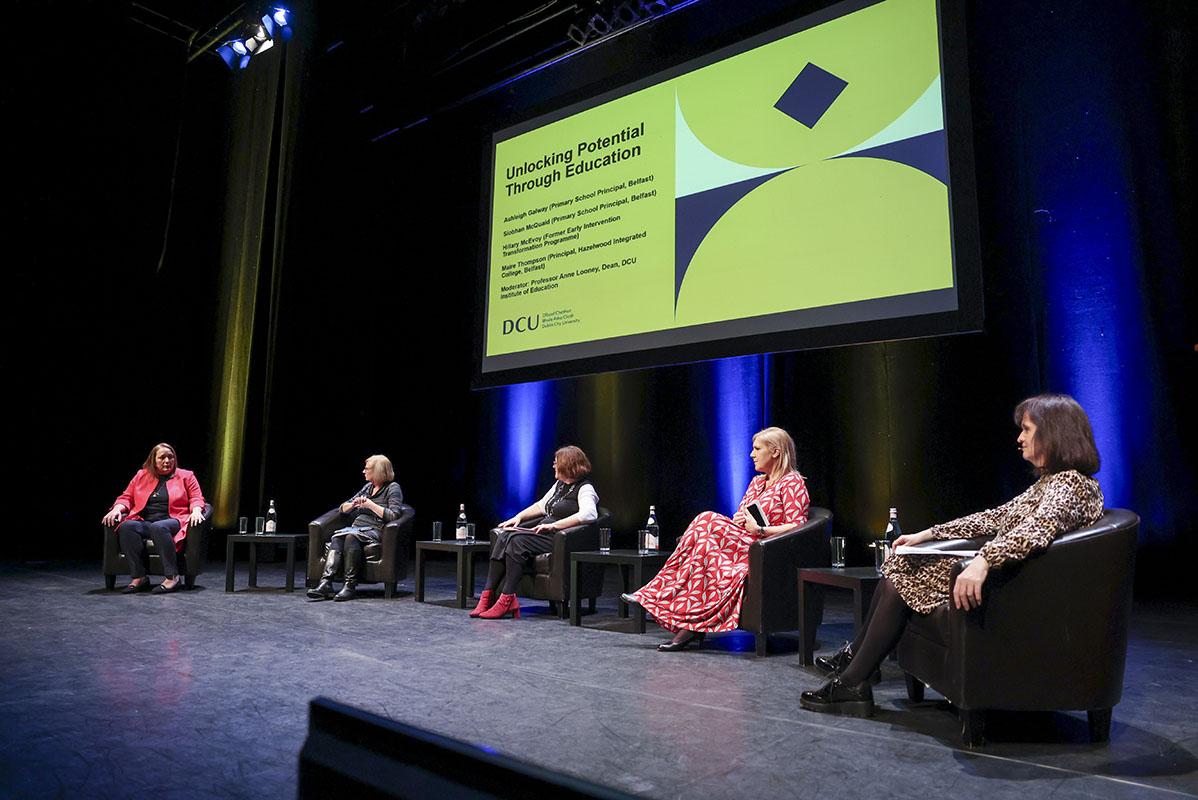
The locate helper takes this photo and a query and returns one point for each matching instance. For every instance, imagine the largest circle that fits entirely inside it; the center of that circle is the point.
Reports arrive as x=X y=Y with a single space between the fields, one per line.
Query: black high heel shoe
x=692 y=637
x=133 y=588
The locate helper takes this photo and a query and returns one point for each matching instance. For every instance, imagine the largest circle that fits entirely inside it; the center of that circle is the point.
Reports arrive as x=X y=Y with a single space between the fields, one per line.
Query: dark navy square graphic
x=810 y=94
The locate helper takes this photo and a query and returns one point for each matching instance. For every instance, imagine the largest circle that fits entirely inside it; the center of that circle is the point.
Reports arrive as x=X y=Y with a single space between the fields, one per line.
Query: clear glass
x=469 y=533
x=243 y=525
x=882 y=552
x=259 y=525
x=605 y=539
x=436 y=531
x=838 y=551
x=645 y=543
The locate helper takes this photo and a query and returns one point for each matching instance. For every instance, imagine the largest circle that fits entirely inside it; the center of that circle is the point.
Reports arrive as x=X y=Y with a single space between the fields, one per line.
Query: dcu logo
x=521 y=324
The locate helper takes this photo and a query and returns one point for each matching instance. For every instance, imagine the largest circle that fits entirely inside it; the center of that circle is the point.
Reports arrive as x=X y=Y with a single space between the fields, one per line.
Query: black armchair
x=192 y=560
x=771 y=601
x=548 y=577
x=386 y=561
x=1050 y=634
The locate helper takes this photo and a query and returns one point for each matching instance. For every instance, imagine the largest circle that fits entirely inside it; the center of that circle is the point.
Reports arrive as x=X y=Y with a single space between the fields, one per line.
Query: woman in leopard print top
x=1055 y=437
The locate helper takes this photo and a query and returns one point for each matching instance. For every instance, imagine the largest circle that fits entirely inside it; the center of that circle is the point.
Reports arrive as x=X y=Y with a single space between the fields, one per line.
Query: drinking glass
x=838 y=551
x=259 y=525
x=243 y=525
x=642 y=542
x=436 y=531
x=605 y=539
x=469 y=533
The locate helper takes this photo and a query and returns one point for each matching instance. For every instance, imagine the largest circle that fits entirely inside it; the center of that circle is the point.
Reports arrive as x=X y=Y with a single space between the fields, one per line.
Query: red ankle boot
x=507 y=603
x=484 y=602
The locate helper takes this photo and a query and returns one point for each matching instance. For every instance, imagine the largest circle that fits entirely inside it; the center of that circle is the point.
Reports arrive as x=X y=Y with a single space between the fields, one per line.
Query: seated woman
x=162 y=501
x=375 y=504
x=700 y=588
x=571 y=501
x=1055 y=437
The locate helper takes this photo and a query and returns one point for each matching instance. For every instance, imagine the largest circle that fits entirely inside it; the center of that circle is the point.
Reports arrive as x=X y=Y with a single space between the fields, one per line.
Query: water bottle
x=653 y=539
x=272 y=518
x=460 y=533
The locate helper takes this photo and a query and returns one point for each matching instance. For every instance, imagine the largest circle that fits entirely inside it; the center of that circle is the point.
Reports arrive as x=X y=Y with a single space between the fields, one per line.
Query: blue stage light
x=737 y=385
x=526 y=442
x=281 y=16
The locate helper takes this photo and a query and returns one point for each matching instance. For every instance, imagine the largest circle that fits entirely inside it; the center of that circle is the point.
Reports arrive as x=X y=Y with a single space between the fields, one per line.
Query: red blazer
x=183 y=494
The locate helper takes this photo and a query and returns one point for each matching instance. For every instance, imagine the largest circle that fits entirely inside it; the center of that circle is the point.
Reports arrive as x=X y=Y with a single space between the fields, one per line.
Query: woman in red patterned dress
x=700 y=588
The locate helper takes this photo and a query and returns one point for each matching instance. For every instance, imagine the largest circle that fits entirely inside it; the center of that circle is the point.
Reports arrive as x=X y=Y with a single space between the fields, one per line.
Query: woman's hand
x=514 y=522
x=913 y=538
x=114 y=515
x=547 y=528
x=967 y=592
x=752 y=527
x=197 y=516
x=346 y=506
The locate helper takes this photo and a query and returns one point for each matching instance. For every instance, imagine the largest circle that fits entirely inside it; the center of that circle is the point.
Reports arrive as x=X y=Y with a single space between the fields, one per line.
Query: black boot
x=350 y=590
x=835 y=697
x=324 y=589
x=839 y=661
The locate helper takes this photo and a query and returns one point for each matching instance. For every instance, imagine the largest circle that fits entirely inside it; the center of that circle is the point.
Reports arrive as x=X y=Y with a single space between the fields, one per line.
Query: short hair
x=780 y=440
x=148 y=466
x=1063 y=435
x=388 y=472
x=572 y=462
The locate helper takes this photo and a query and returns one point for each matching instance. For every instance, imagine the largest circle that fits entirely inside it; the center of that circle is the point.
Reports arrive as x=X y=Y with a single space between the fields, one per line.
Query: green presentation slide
x=807 y=172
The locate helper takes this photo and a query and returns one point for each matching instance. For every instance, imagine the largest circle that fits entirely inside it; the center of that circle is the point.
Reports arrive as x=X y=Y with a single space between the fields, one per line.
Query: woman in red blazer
x=162 y=500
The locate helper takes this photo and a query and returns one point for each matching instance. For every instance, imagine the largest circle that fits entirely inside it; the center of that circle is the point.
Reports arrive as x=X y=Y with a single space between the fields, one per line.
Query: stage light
x=256 y=36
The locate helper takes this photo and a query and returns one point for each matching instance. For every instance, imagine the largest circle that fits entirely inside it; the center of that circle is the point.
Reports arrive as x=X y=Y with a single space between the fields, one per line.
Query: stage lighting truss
x=256 y=37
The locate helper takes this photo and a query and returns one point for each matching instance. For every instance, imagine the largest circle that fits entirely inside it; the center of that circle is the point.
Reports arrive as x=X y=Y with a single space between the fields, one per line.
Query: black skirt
x=522 y=545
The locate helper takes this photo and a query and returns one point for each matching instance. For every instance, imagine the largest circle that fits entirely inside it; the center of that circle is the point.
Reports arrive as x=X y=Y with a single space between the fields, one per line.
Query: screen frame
x=969 y=316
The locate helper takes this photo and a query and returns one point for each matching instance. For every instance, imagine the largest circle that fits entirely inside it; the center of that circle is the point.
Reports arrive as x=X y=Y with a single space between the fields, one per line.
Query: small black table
x=466 y=551
x=640 y=567
x=862 y=581
x=253 y=539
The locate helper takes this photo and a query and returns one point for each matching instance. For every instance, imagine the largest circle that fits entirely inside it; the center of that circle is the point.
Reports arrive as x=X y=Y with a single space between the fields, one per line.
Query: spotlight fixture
x=256 y=37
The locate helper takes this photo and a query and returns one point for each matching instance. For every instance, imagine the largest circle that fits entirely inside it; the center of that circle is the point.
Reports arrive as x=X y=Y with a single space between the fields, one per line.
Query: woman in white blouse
x=571 y=501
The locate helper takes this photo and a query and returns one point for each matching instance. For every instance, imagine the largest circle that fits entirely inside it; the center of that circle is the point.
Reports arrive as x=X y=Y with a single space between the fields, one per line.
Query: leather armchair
x=192 y=559
x=549 y=578
x=1050 y=634
x=386 y=561
x=771 y=601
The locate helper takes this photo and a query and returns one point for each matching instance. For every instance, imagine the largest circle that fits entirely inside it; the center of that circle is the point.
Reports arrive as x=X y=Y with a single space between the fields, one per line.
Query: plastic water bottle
x=653 y=540
x=460 y=533
x=272 y=518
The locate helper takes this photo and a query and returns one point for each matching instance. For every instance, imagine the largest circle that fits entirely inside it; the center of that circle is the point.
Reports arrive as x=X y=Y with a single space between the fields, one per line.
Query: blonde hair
x=383 y=465
x=780 y=440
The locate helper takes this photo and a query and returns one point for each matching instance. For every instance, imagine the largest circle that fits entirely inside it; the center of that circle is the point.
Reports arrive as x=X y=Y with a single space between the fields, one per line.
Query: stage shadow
x=101 y=591
x=1054 y=738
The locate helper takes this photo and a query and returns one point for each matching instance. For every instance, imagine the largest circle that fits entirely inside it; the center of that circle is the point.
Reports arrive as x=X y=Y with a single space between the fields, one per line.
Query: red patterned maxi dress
x=701 y=586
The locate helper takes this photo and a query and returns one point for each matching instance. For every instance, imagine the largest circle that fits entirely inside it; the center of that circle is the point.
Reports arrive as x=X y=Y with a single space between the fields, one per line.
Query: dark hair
x=1063 y=436
x=572 y=462
x=148 y=466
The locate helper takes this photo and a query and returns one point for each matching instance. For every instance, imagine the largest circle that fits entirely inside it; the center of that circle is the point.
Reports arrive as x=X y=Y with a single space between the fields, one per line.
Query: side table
x=254 y=539
x=862 y=581
x=466 y=551
x=642 y=566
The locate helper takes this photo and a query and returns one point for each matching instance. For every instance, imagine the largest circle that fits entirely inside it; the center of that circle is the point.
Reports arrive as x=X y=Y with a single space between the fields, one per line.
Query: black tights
x=509 y=571
x=888 y=615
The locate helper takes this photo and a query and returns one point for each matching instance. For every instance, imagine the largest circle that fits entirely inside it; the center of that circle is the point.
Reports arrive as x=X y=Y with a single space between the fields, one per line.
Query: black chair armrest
x=573 y=540
x=771 y=591
x=395 y=535
x=320 y=531
x=195 y=545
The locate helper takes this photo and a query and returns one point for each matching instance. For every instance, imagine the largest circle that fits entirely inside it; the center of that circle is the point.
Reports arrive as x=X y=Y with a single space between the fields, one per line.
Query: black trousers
x=512 y=555
x=133 y=535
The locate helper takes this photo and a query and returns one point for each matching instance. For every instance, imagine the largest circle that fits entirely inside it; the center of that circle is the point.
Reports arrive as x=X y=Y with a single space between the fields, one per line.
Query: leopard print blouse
x=1055 y=504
